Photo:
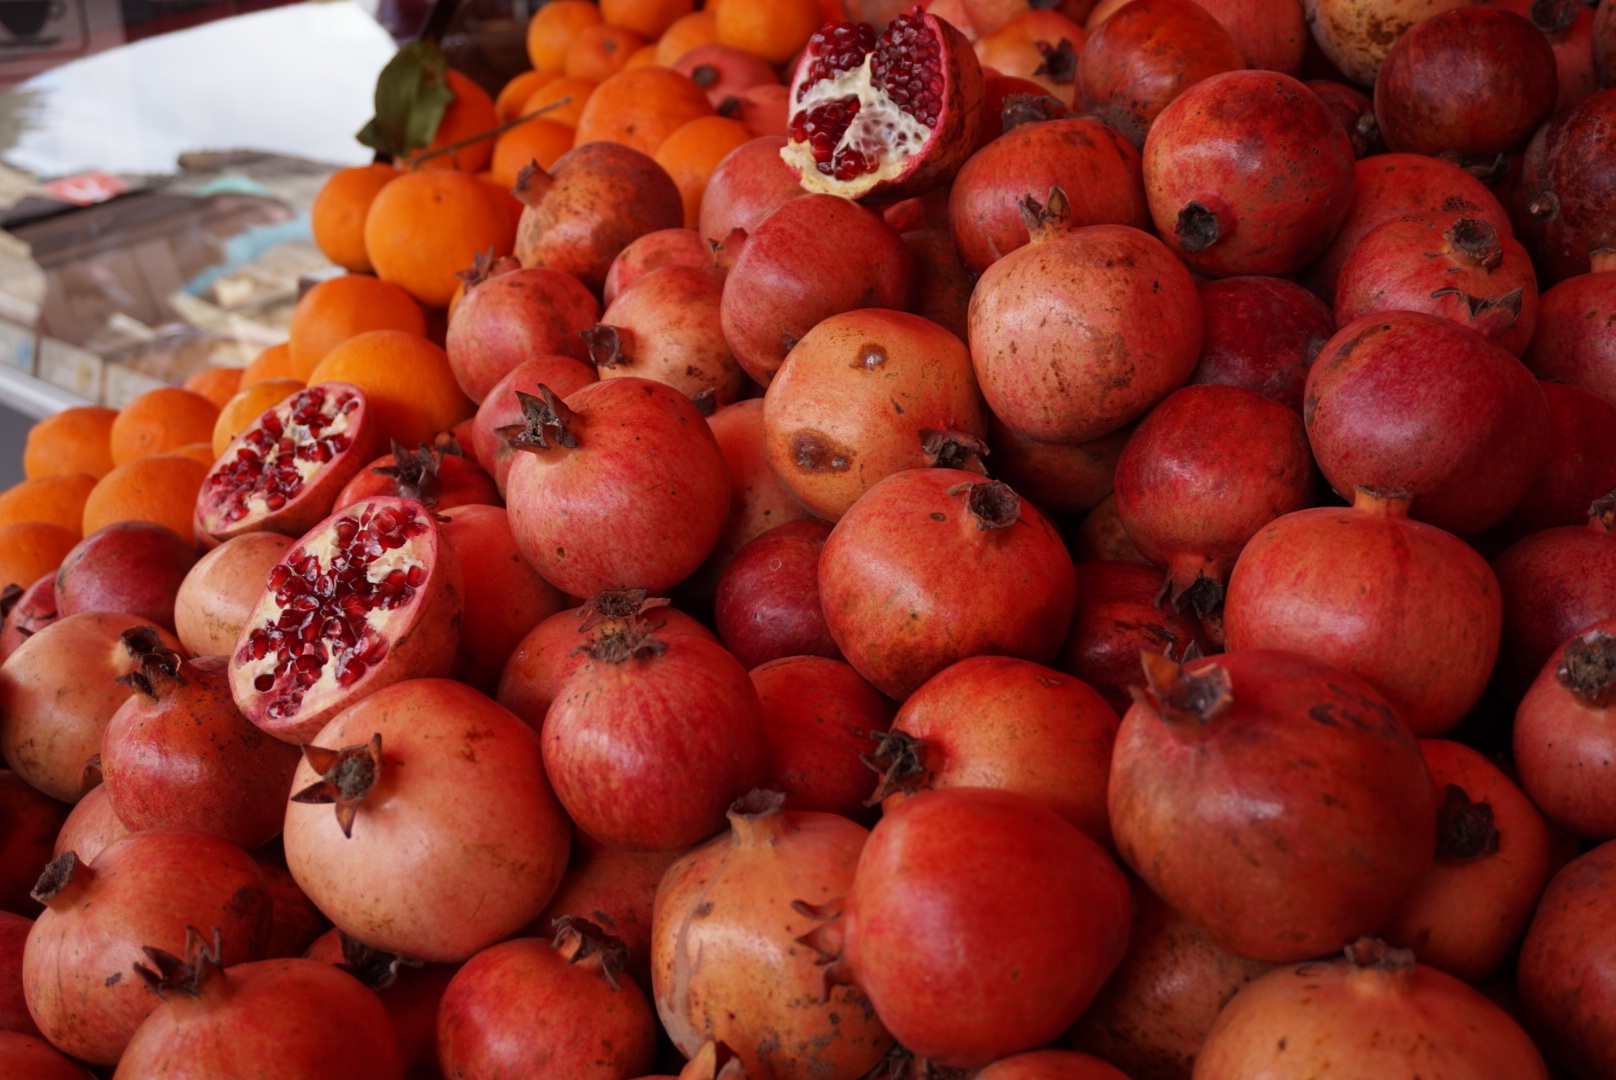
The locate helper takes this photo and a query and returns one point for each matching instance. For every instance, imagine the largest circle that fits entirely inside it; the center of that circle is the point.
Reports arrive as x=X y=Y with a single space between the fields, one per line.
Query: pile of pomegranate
x=1104 y=576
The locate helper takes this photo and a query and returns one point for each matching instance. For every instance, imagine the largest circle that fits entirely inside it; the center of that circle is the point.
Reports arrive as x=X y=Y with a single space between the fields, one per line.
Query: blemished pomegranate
x=134 y=567
x=819 y=719
x=368 y=597
x=502 y=408
x=1564 y=735
x=1261 y=333
x=1356 y=35
x=1116 y=618
x=1208 y=774
x=1564 y=205
x=885 y=114
x=220 y=591
x=666 y=327
x=428 y=475
x=653 y=251
x=745 y=188
x=283 y=472
x=764 y=109
x=767 y=605
x=1247 y=173
x=147 y=887
x=725 y=963
x=621 y=486
x=1317 y=1017
x=1569 y=345
x=1564 y=972
x=1058 y=478
x=33 y=820
x=424 y=793
x=1038 y=46
x=27 y=612
x=1354 y=112
x=979 y=923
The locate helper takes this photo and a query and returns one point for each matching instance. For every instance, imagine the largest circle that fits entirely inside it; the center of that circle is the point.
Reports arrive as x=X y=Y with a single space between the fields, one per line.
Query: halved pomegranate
x=368 y=597
x=283 y=472
x=887 y=116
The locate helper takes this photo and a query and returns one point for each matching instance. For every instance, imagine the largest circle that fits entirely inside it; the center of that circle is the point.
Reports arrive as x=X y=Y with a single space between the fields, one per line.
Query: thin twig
x=415 y=162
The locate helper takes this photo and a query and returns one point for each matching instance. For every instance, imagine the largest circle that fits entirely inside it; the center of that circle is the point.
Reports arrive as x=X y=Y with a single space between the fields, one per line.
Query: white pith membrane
x=299 y=446
x=881 y=131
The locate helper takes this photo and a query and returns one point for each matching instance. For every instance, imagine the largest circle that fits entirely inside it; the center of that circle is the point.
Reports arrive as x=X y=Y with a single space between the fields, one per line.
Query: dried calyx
x=346 y=777
x=579 y=940
x=1587 y=668
x=1018 y=109
x=1197 y=228
x=158 y=666
x=1465 y=830
x=950 y=449
x=415 y=472
x=9 y=597
x=484 y=265
x=171 y=975
x=897 y=758
x=1179 y=696
x=1059 y=64
x=1048 y=218
x=59 y=873
x=1204 y=596
x=622 y=640
x=1603 y=512
x=605 y=346
x=1374 y=953
x=373 y=967
x=546 y=423
x=991 y=502
x=1477 y=240
x=759 y=802
x=613 y=604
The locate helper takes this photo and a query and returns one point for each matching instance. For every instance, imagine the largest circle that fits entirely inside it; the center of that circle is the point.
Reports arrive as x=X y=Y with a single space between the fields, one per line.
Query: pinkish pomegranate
x=1272 y=34
x=91 y=828
x=1261 y=333
x=943 y=283
x=666 y=328
x=409 y=990
x=1581 y=467
x=1058 y=478
x=1038 y=46
x=592 y=203
x=1565 y=966
x=1354 y=112
x=25 y=1055
x=653 y=251
x=1247 y=173
x=723 y=71
x=180 y=753
x=368 y=597
x=913 y=577
x=57 y=692
x=1203 y=473
x=1116 y=619
x=1072 y=363
x=1356 y=35
x=133 y=567
x=28 y=611
x=1568 y=25
x=768 y=599
x=506 y=318
x=438 y=793
x=1139 y=60
x=1565 y=734
x=1565 y=203
x=746 y=187
x=819 y=718
x=283 y=472
x=219 y=592
x=1415 y=403
x=427 y=475
x=13 y=1006
x=616 y=891
x=762 y=110
x=793 y=271
x=620 y=486
x=883 y=116
x=502 y=408
x=1570 y=345
x=32 y=820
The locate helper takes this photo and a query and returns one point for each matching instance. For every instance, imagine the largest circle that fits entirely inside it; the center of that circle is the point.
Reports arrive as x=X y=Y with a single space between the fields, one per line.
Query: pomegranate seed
x=263 y=682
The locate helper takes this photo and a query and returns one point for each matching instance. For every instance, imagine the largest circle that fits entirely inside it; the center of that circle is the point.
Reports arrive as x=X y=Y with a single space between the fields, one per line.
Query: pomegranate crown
x=415 y=472
x=375 y=968
x=897 y=759
x=546 y=423
x=1178 y=696
x=157 y=662
x=170 y=974
x=346 y=777
x=1587 y=668
x=580 y=939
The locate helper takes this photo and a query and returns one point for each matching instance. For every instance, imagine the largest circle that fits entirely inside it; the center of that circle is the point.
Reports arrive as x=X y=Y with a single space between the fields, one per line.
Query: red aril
x=819 y=721
x=502 y=408
x=134 y=567
x=1564 y=204
x=218 y=594
x=1261 y=333
x=1564 y=972
x=27 y=612
x=616 y=891
x=1058 y=478
x=1564 y=735
x=768 y=599
x=653 y=251
x=1116 y=619
x=427 y=475
x=745 y=188
x=32 y=821
x=666 y=328
x=1570 y=345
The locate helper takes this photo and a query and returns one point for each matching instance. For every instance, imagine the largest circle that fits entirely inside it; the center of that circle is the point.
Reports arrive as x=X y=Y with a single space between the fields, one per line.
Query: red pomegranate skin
x=819 y=716
x=1564 y=206
x=653 y=251
x=1115 y=619
x=1248 y=173
x=294 y=921
x=1101 y=537
x=34 y=610
x=1604 y=44
x=1354 y=112
x=1555 y=583
x=1567 y=989
x=1580 y=469
x=1412 y=610
x=411 y=996
x=724 y=71
x=219 y=593
x=1060 y=479
x=768 y=599
x=135 y=567
x=1569 y=27
x=1261 y=333
x=460 y=481
x=92 y=827
x=25 y=1055
x=1096 y=167
x=1307 y=780
x=943 y=283
x=1573 y=344
x=13 y=1008
x=499 y=408
x=748 y=184
x=667 y=328
x=29 y=822
x=1052 y=1065
x=1412 y=402
x=1564 y=739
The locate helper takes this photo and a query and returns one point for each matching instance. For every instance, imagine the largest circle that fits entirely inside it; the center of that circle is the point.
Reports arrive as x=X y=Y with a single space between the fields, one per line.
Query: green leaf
x=412 y=94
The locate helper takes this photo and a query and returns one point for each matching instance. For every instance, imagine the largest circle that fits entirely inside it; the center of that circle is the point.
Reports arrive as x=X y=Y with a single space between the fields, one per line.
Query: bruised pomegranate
x=883 y=116
x=32 y=822
x=1571 y=345
x=615 y=890
x=819 y=718
x=1565 y=203
x=283 y=471
x=768 y=599
x=1116 y=619
x=219 y=592
x=368 y=597
x=1058 y=478
x=745 y=188
x=134 y=567
x=1356 y=35
x=28 y=611
x=506 y=318
x=653 y=251
x=427 y=475
x=1564 y=973
x=1564 y=735
x=666 y=328
x=1261 y=333
x=502 y=408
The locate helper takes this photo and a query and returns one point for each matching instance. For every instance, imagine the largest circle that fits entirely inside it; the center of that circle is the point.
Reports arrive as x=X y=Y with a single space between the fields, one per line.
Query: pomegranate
x=1570 y=344
x=1408 y=608
x=1356 y=35
x=409 y=990
x=13 y=1007
x=819 y=717
x=1423 y=1022
x=368 y=597
x=1565 y=731
x=883 y=116
x=529 y=1007
x=1097 y=169
x=943 y=283
x=1565 y=203
x=1058 y=478
x=762 y=110
x=747 y=185
x=971 y=895
x=1009 y=102
x=651 y=737
x=911 y=578
x=1415 y=403
x=1139 y=60
x=864 y=395
x=427 y=475
x=1568 y=26
x=724 y=961
x=92 y=827
x=283 y=472
x=134 y=567
x=1354 y=112
x=793 y=271
x=1209 y=773
x=178 y=752
x=1581 y=466
x=294 y=921
x=615 y=890
x=502 y=408
x=1051 y=1065
x=592 y=203
x=1564 y=971
x=219 y=592
x=508 y=315
x=1247 y=173
x=24 y=1055
x=1039 y=46
x=620 y=486
x=1458 y=268
x=147 y=887
x=768 y=599
x=1116 y=618
x=666 y=328
x=1101 y=538
x=1261 y=333
x=57 y=692
x=505 y=597
x=724 y=71
x=32 y=820
x=1084 y=329
x=653 y=251
x=1204 y=471
x=27 y=612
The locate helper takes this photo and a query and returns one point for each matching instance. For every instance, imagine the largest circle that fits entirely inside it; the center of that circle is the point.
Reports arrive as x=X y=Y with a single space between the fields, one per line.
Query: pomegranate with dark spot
x=1565 y=203
x=666 y=327
x=1116 y=619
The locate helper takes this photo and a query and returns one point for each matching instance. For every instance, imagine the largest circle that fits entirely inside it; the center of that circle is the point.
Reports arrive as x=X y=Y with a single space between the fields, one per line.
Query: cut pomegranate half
x=370 y=596
x=283 y=472
x=889 y=116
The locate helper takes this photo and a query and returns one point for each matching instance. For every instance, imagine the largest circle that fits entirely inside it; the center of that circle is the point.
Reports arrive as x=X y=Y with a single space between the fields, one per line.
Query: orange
x=247 y=406
x=692 y=153
x=72 y=441
x=56 y=500
x=407 y=380
x=647 y=18
x=772 y=29
x=641 y=107
x=508 y=106
x=644 y=56
x=160 y=488
x=551 y=31
x=159 y=420
x=577 y=90
x=537 y=140
x=31 y=549
x=427 y=226
x=697 y=28
x=274 y=362
x=338 y=213
x=197 y=451
x=470 y=114
x=217 y=384
x=601 y=52
x=338 y=308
